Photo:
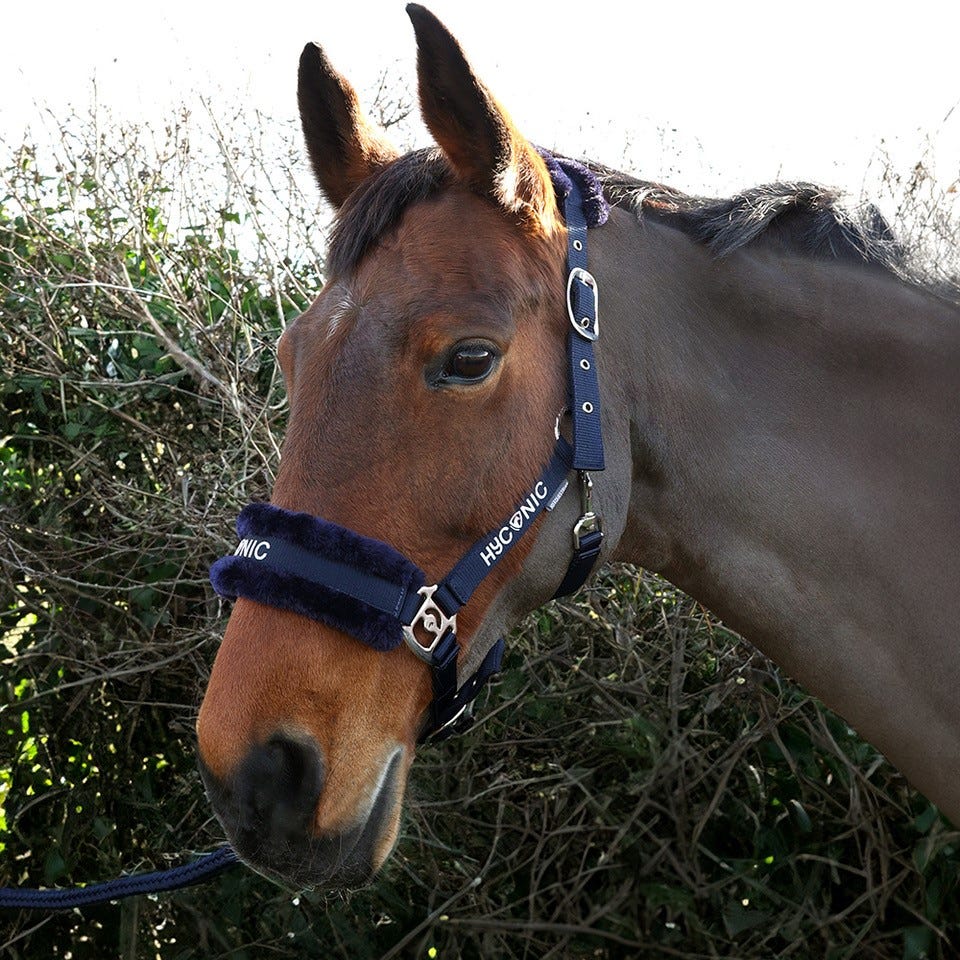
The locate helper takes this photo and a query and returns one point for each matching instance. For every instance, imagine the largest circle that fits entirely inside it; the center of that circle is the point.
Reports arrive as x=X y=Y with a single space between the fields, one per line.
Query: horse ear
x=477 y=135
x=344 y=147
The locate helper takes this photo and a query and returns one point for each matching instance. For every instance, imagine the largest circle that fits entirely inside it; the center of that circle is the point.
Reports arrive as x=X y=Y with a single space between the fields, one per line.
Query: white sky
x=705 y=96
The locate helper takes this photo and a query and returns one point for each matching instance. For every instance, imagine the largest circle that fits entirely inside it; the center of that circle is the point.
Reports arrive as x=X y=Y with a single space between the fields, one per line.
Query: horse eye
x=469 y=363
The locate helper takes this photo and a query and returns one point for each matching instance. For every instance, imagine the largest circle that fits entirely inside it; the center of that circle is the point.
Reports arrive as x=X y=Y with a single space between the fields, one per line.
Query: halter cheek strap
x=366 y=588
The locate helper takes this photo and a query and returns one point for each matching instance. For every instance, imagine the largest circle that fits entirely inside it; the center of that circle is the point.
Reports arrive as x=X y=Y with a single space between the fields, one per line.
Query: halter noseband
x=364 y=587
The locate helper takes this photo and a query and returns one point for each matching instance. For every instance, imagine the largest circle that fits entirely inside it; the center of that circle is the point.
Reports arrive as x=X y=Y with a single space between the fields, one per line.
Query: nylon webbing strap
x=584 y=387
x=451 y=709
x=460 y=583
x=384 y=595
x=582 y=302
x=581 y=563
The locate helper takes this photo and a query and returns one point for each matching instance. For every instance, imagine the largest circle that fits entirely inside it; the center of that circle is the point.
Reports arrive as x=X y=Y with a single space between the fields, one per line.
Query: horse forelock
x=378 y=204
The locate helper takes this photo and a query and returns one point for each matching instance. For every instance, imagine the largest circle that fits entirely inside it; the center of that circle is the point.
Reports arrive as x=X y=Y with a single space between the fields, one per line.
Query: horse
x=778 y=405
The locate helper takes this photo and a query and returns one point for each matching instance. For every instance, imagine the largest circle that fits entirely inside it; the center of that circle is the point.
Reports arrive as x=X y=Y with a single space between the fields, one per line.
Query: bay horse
x=780 y=415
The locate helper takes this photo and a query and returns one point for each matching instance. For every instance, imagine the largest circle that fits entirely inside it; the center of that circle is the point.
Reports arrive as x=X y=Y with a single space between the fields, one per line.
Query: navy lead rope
x=157 y=881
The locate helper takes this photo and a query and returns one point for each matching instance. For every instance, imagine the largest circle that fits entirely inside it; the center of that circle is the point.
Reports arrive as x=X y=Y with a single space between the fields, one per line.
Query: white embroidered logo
x=257 y=549
x=504 y=536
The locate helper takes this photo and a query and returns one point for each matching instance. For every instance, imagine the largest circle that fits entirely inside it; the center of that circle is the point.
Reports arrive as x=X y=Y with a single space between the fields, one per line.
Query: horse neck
x=793 y=439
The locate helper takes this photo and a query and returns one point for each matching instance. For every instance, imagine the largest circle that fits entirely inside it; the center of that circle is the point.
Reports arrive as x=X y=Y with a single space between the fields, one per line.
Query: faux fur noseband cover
x=255 y=579
x=563 y=171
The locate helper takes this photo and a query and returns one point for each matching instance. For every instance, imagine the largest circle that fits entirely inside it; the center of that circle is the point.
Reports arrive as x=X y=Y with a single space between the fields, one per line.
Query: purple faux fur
x=238 y=576
x=563 y=171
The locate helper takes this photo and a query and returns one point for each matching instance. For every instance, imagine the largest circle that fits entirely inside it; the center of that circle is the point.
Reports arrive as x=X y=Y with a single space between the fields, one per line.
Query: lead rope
x=157 y=881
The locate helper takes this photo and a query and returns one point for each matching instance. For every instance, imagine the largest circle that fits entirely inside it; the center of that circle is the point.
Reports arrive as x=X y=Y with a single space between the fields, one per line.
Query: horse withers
x=780 y=437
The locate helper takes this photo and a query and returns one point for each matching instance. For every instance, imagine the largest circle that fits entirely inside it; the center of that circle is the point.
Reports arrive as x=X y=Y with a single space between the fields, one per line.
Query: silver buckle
x=433 y=620
x=585 y=331
x=589 y=521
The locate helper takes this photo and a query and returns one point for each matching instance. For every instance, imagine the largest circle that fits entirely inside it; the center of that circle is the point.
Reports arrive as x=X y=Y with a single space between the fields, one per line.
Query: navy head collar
x=367 y=589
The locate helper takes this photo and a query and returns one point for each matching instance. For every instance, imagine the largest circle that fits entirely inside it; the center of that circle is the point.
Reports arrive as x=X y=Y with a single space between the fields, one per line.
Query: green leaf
x=54 y=867
x=926 y=820
x=737 y=918
x=917 y=943
x=102 y=827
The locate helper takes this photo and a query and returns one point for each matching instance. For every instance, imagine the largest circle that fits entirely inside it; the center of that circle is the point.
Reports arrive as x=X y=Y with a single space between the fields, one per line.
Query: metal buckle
x=433 y=620
x=589 y=521
x=586 y=330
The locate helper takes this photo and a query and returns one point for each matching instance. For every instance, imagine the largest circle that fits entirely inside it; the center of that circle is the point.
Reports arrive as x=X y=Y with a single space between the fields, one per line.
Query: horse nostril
x=277 y=787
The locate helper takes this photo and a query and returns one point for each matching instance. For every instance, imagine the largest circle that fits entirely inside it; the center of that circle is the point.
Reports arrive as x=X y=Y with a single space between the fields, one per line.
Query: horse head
x=425 y=383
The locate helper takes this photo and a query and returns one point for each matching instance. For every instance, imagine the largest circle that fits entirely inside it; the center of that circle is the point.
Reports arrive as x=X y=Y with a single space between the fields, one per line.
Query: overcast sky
x=706 y=96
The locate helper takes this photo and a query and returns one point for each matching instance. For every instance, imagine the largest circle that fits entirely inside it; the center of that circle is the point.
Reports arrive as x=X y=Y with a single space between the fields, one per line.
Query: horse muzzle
x=269 y=805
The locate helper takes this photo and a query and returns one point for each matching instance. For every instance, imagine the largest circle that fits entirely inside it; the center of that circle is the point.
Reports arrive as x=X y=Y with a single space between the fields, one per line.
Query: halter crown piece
x=367 y=589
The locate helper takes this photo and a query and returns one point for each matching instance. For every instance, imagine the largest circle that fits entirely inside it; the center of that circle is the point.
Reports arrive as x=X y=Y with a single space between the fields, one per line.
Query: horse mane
x=804 y=218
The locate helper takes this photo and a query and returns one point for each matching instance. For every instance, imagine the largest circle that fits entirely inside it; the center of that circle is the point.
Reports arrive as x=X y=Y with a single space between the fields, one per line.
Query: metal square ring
x=431 y=619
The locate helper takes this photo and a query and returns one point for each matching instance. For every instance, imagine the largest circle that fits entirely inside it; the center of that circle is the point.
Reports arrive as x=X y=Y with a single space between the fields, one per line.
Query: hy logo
x=491 y=552
x=255 y=549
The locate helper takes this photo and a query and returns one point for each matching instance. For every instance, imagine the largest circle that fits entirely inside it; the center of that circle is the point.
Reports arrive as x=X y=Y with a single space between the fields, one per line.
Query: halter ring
x=431 y=619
